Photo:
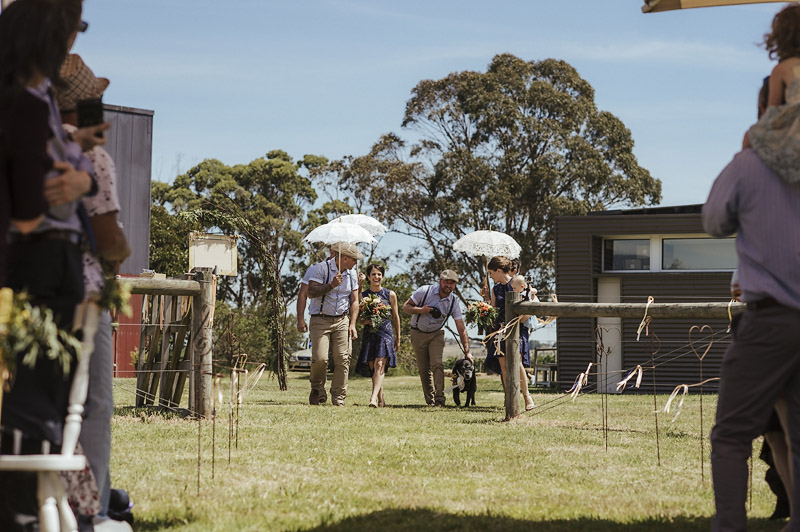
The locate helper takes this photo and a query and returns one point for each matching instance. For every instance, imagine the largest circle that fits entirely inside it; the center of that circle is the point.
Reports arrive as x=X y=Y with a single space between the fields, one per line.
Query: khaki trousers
x=428 y=348
x=330 y=332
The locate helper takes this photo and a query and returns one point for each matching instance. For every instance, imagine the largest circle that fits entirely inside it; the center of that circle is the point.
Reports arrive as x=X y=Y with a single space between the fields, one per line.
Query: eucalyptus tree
x=510 y=149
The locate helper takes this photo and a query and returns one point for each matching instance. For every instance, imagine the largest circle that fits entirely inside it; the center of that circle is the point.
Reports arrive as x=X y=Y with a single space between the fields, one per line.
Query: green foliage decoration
x=31 y=331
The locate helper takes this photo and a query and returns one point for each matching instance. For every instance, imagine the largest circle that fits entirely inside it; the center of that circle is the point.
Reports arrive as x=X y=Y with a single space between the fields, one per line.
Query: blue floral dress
x=376 y=343
x=492 y=359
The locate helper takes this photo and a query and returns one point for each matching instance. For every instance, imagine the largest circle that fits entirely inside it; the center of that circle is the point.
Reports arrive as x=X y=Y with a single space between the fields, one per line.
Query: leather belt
x=767 y=302
x=54 y=234
x=329 y=316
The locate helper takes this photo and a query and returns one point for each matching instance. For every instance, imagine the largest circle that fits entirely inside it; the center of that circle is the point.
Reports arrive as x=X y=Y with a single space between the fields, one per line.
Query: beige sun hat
x=351 y=250
x=449 y=275
x=80 y=83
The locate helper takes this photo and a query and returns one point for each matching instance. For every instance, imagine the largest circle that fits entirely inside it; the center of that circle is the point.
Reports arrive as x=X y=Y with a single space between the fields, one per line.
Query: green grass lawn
x=409 y=467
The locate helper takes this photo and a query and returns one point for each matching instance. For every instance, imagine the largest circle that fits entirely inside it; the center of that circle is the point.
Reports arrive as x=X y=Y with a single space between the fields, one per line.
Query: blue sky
x=233 y=80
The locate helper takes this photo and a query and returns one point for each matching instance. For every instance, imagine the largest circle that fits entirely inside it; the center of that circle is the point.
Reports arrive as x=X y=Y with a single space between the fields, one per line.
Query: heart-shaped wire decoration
x=710 y=341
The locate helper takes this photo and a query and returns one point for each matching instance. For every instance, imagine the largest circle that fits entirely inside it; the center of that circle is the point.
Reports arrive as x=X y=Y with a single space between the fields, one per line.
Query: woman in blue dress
x=500 y=272
x=379 y=346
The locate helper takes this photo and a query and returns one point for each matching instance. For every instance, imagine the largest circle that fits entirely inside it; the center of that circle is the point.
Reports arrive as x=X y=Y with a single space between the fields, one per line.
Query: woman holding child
x=500 y=269
x=378 y=345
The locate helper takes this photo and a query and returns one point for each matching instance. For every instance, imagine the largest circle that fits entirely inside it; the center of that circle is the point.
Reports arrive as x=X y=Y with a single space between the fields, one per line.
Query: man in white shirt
x=333 y=294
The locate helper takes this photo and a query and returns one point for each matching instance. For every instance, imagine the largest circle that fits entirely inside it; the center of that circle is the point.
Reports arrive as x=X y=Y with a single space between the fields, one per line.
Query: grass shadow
x=423 y=519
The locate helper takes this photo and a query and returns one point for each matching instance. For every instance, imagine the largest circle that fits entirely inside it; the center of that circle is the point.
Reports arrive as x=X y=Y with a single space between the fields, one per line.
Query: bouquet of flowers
x=372 y=309
x=32 y=330
x=482 y=314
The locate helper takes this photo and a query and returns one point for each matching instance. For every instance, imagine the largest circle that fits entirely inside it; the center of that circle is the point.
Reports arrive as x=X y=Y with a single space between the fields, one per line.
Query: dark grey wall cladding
x=130 y=143
x=578 y=266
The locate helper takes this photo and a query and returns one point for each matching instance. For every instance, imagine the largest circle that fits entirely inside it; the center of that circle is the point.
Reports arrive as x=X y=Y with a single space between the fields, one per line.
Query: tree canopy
x=510 y=149
x=271 y=194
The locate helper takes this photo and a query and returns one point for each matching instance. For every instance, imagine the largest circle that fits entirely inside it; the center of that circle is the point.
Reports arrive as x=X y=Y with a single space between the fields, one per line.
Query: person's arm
x=317 y=289
x=111 y=242
x=86 y=137
x=720 y=212
x=395 y=319
x=411 y=308
x=353 y=313
x=462 y=333
x=70 y=185
x=777 y=84
x=302 y=296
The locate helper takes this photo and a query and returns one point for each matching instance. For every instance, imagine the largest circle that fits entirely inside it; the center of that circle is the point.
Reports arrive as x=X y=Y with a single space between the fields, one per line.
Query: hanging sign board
x=209 y=251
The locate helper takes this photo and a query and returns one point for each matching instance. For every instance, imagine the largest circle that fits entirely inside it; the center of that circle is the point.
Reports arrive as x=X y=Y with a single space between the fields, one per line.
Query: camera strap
x=424 y=299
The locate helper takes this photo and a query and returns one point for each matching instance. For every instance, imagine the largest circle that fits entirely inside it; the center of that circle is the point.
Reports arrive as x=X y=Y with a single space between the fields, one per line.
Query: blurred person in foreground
x=42 y=175
x=763 y=360
x=111 y=248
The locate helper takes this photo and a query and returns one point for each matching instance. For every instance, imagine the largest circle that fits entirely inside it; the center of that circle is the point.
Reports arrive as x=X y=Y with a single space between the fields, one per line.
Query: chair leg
x=49 y=520
x=68 y=521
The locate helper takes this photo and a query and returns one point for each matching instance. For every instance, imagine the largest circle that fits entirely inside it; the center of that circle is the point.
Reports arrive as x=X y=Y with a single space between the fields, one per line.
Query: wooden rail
x=627 y=310
x=162 y=287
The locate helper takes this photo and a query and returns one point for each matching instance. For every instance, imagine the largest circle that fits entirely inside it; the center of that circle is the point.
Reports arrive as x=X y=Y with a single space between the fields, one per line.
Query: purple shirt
x=752 y=200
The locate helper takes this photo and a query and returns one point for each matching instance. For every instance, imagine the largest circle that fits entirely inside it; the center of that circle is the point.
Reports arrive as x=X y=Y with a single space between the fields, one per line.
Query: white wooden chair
x=55 y=514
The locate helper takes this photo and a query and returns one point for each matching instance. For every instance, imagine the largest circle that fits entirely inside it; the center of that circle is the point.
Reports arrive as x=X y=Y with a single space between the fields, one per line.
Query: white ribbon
x=636 y=371
x=581 y=381
x=678 y=388
x=645 y=321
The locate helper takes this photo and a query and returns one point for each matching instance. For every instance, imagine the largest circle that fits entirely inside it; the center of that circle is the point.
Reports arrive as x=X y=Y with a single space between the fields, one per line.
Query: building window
x=626 y=255
x=698 y=254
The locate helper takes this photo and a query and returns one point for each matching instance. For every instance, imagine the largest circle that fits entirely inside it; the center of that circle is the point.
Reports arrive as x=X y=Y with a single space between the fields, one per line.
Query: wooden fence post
x=202 y=339
x=512 y=360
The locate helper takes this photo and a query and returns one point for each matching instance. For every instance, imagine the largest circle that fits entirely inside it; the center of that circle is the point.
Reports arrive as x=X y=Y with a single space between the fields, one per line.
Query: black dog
x=464 y=380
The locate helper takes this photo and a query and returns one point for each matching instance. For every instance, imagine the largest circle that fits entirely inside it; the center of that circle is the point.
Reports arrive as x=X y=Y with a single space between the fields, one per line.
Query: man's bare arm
x=316 y=289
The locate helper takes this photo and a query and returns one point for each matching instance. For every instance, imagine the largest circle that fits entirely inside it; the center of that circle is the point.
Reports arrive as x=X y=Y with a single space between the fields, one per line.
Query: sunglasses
x=83 y=26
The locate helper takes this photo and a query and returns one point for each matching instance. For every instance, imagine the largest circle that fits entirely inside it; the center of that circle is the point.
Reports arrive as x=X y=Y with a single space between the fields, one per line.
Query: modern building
x=626 y=256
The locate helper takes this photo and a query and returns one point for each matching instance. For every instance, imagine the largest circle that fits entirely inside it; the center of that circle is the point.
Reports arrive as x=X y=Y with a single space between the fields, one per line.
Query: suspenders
x=415 y=325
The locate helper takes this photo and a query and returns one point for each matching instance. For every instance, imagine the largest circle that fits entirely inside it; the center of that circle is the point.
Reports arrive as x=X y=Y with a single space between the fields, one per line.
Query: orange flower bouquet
x=373 y=310
x=482 y=314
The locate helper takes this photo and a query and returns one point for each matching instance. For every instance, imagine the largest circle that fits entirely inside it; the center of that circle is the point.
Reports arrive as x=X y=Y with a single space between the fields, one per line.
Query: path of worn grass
x=407 y=467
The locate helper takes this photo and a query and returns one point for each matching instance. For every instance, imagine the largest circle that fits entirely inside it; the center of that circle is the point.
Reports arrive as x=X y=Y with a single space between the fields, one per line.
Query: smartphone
x=90 y=113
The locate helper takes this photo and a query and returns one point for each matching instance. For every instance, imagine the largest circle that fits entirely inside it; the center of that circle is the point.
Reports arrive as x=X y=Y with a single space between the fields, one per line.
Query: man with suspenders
x=334 y=311
x=431 y=306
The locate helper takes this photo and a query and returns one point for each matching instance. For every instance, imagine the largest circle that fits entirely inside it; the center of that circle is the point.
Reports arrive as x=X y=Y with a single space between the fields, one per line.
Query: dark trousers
x=762 y=362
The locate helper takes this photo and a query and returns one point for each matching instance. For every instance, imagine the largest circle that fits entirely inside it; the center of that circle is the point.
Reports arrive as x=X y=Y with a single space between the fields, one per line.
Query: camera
x=436 y=313
x=90 y=113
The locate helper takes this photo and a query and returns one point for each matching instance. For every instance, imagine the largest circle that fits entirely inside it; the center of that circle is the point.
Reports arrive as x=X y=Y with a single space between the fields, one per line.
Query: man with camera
x=431 y=306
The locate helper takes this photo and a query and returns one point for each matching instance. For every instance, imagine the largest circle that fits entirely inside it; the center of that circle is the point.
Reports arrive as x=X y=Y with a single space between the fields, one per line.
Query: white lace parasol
x=488 y=244
x=331 y=233
x=369 y=223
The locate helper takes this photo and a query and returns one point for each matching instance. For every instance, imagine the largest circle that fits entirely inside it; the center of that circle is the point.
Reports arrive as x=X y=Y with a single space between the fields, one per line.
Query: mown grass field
x=409 y=467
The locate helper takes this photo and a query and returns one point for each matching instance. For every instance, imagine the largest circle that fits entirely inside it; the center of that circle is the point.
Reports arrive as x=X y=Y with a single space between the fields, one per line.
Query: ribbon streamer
x=645 y=322
x=635 y=371
x=730 y=318
x=581 y=381
x=678 y=388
